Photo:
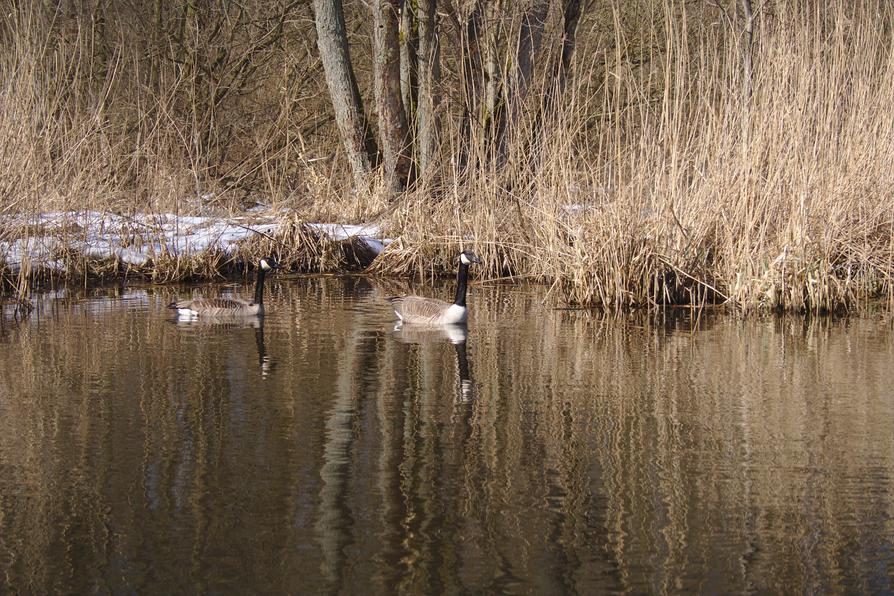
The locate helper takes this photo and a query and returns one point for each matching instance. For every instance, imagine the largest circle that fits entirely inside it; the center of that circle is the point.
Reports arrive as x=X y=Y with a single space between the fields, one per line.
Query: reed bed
x=669 y=172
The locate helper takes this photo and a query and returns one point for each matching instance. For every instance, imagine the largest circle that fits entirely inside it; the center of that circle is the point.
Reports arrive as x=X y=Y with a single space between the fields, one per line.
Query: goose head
x=467 y=257
x=269 y=264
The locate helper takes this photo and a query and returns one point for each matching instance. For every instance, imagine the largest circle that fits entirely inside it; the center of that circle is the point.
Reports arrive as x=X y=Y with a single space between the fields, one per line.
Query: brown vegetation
x=633 y=153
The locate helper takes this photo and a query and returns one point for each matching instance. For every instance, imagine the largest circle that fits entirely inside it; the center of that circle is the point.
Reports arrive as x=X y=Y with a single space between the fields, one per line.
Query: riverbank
x=607 y=254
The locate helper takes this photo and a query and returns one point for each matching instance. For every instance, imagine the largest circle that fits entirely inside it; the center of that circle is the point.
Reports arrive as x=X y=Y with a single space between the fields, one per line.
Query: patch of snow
x=137 y=240
x=345 y=231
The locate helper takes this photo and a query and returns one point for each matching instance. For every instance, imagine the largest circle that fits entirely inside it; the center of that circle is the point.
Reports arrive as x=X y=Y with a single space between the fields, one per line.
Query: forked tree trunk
x=332 y=41
x=393 y=129
x=429 y=73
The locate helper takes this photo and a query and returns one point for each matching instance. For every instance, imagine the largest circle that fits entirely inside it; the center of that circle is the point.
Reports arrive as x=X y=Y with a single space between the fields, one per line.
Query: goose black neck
x=462 y=280
x=259 y=286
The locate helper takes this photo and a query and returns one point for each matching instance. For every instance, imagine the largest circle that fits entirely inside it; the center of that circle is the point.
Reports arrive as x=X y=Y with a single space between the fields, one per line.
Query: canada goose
x=420 y=310
x=224 y=307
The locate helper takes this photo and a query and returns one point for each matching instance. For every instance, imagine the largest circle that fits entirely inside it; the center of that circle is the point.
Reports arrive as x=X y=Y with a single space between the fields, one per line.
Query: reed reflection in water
x=537 y=451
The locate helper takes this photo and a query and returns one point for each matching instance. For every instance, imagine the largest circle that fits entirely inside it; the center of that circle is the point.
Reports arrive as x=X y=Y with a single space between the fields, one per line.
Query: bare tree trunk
x=492 y=71
x=471 y=80
x=747 y=66
x=429 y=73
x=408 y=66
x=157 y=44
x=571 y=17
x=571 y=14
x=393 y=129
x=529 y=38
x=332 y=41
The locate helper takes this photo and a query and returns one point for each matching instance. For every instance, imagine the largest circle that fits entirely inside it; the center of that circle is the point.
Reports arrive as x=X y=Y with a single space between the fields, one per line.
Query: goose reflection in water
x=456 y=335
x=265 y=363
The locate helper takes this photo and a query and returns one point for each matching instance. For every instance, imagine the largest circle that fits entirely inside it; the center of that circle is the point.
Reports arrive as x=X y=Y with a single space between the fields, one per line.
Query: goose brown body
x=216 y=307
x=421 y=310
x=228 y=307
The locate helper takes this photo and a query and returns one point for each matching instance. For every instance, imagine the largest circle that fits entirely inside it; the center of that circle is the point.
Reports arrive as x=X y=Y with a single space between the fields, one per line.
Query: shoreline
x=40 y=298
x=62 y=249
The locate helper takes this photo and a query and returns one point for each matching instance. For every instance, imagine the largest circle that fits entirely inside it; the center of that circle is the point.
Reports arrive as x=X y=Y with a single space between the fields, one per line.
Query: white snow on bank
x=44 y=239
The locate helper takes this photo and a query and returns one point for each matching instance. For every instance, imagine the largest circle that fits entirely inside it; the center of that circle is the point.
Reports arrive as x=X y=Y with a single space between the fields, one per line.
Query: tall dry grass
x=667 y=183
x=662 y=175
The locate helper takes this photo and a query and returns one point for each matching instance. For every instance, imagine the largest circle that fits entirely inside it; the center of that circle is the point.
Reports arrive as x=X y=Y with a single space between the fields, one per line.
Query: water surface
x=543 y=451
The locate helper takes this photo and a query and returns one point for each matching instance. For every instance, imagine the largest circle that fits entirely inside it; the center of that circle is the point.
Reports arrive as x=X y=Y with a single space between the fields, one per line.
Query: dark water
x=553 y=452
